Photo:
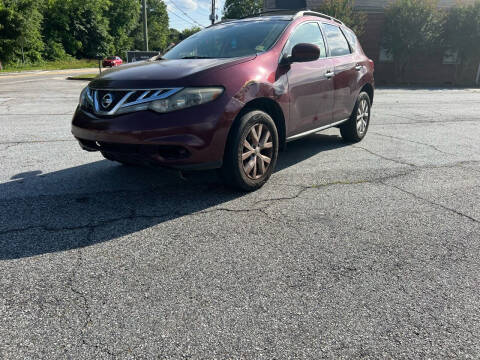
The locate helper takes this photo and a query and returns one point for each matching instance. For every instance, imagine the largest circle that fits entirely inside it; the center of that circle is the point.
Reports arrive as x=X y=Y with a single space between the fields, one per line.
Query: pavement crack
x=427 y=122
x=304 y=188
x=229 y=210
x=418 y=197
x=384 y=157
x=412 y=141
x=15 y=143
x=131 y=216
x=86 y=308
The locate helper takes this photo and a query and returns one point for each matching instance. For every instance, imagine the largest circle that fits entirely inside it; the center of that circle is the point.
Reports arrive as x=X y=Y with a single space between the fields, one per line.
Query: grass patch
x=83 y=77
x=52 y=65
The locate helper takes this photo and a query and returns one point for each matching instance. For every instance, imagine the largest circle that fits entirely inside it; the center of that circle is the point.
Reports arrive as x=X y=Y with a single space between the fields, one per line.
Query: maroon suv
x=231 y=96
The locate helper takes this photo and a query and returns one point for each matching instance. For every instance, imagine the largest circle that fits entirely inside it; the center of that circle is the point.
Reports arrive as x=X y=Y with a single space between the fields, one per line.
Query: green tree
x=236 y=9
x=461 y=33
x=81 y=27
x=174 y=37
x=189 y=32
x=412 y=29
x=20 y=31
x=344 y=11
x=158 y=30
x=123 y=17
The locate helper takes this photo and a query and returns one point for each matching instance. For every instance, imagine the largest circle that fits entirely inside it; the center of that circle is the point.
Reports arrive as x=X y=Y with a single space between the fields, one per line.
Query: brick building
x=433 y=68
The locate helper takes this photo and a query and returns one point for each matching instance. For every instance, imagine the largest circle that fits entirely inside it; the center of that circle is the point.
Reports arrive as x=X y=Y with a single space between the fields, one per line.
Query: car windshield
x=229 y=40
x=111 y=58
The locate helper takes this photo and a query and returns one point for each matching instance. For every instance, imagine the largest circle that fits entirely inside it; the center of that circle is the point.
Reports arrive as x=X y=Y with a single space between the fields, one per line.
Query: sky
x=189 y=13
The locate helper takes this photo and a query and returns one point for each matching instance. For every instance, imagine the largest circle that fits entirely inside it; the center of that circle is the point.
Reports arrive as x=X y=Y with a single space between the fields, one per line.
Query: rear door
x=310 y=83
x=346 y=71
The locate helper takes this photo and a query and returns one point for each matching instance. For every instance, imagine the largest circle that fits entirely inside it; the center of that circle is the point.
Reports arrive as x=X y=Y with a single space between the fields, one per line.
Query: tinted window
x=336 y=40
x=306 y=33
x=230 y=40
x=352 y=39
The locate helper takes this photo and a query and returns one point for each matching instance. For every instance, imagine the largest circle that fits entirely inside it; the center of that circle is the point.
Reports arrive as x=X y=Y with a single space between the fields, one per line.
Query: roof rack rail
x=263 y=13
x=295 y=14
x=318 y=14
x=271 y=12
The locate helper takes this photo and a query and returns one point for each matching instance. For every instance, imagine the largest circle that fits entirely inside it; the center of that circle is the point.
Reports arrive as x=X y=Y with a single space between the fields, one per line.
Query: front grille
x=114 y=96
x=113 y=101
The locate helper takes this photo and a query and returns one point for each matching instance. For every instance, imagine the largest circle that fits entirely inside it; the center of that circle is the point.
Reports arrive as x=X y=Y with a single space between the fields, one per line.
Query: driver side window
x=308 y=33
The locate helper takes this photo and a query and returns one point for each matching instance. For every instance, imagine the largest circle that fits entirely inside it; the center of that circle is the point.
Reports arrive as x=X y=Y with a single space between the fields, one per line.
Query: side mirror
x=304 y=53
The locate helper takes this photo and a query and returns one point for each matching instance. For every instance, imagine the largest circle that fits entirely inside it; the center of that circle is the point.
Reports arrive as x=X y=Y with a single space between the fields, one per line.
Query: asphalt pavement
x=350 y=251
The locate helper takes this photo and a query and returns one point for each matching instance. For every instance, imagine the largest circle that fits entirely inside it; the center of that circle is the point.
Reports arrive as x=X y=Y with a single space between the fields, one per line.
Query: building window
x=385 y=55
x=450 y=57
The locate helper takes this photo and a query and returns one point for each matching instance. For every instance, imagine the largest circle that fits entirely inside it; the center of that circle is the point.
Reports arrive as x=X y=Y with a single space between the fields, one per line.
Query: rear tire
x=252 y=151
x=355 y=129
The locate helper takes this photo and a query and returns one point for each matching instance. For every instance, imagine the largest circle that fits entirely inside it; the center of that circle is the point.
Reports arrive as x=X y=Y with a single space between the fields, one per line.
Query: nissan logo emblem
x=107 y=100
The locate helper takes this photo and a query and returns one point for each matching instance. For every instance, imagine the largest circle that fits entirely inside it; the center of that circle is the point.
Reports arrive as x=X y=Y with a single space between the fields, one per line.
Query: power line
x=184 y=13
x=181 y=18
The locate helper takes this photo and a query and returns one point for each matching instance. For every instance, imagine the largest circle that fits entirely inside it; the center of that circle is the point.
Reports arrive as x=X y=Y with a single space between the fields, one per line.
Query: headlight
x=86 y=100
x=185 y=98
x=83 y=96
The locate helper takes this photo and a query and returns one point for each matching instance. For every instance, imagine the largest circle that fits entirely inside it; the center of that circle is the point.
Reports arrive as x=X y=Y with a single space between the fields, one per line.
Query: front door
x=310 y=83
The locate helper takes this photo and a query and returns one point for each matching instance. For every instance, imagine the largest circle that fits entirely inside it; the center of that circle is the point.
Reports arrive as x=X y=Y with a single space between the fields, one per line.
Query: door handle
x=358 y=67
x=329 y=74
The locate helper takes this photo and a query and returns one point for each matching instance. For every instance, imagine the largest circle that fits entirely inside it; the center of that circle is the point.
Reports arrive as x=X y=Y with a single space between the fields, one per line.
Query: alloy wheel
x=257 y=151
x=363 y=115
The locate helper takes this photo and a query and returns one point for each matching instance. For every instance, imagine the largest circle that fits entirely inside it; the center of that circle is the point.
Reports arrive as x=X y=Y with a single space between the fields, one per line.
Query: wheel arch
x=272 y=108
x=368 y=88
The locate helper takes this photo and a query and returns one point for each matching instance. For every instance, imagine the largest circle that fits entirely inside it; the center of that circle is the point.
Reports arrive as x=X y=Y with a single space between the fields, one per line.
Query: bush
x=55 y=51
x=461 y=33
x=412 y=29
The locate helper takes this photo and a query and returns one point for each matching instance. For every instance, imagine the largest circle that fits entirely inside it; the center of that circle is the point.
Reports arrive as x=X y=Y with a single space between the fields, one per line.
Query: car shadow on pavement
x=101 y=201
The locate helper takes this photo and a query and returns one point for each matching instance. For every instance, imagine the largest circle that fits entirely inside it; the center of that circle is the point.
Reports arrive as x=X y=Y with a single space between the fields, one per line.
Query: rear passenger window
x=337 y=43
x=308 y=33
x=352 y=39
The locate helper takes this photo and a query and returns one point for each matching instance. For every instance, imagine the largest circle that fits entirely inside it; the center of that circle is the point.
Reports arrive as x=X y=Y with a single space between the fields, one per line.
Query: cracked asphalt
x=350 y=251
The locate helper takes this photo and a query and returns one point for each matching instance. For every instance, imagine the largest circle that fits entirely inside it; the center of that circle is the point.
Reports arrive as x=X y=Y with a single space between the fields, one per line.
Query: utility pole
x=145 y=26
x=212 y=15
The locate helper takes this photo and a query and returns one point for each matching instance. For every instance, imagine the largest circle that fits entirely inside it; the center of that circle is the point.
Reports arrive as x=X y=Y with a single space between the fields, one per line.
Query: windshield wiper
x=156 y=58
x=197 y=57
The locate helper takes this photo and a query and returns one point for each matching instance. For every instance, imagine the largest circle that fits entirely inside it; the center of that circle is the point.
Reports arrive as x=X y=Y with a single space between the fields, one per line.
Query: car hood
x=161 y=72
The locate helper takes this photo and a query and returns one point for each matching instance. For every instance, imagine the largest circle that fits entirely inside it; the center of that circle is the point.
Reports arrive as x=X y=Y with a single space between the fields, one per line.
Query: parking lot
x=350 y=251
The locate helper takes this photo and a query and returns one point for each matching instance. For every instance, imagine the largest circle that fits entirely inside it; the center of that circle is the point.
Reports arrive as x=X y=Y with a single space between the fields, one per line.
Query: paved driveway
x=350 y=251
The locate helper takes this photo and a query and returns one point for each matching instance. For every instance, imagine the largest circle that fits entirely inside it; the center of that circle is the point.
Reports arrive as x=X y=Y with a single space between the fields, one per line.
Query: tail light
x=372 y=64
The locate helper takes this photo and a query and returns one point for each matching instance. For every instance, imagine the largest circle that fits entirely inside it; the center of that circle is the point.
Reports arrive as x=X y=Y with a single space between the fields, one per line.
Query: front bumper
x=192 y=138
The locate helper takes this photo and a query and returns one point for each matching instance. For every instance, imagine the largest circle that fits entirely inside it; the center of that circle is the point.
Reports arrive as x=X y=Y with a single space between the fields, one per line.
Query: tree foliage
x=158 y=30
x=124 y=16
x=236 y=9
x=176 y=36
x=20 y=30
x=344 y=11
x=32 y=30
x=412 y=29
x=461 y=33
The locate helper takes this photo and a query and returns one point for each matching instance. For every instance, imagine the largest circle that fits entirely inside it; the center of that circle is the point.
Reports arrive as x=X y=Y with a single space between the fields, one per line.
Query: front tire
x=252 y=151
x=355 y=129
